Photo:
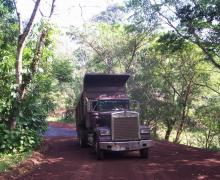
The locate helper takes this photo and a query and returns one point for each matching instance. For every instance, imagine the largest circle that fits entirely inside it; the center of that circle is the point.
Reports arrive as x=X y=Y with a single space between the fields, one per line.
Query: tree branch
x=168 y=81
x=37 y=55
x=207 y=86
x=19 y=17
x=208 y=55
x=30 y=22
x=52 y=8
x=197 y=41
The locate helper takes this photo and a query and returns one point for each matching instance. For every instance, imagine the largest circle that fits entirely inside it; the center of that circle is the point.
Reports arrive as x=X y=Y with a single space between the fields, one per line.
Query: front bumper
x=126 y=145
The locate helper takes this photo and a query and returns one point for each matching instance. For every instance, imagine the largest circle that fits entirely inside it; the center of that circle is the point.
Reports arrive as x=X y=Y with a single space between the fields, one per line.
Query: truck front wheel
x=99 y=152
x=144 y=153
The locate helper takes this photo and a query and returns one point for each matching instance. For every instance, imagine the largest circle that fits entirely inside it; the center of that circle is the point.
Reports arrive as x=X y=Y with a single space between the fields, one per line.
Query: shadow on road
x=66 y=160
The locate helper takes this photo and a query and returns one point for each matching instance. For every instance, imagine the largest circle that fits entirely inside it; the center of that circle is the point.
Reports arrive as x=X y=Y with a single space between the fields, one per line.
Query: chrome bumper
x=126 y=145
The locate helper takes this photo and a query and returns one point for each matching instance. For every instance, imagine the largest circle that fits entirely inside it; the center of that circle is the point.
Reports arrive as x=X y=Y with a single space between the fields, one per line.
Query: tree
x=195 y=21
x=166 y=82
x=200 y=24
x=20 y=81
x=114 y=14
x=189 y=22
x=8 y=33
x=114 y=47
x=179 y=70
x=208 y=122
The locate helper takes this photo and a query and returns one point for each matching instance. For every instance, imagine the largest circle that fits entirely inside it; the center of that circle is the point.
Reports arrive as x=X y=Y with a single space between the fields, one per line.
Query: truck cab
x=105 y=119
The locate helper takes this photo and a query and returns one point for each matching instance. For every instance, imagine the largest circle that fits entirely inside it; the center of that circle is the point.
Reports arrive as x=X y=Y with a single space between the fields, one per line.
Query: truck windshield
x=113 y=105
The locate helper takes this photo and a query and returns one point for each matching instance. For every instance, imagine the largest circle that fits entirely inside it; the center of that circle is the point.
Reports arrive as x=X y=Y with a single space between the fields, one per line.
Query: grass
x=189 y=138
x=53 y=119
x=11 y=160
x=60 y=119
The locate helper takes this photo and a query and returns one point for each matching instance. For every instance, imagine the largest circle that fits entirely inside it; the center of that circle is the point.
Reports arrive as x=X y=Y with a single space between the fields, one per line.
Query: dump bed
x=96 y=85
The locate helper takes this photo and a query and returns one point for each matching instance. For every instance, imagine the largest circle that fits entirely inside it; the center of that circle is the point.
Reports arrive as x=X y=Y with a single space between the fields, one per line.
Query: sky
x=67 y=12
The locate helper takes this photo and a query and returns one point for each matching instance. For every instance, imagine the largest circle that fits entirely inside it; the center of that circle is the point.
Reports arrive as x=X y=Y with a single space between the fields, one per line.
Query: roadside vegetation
x=170 y=48
x=193 y=138
x=11 y=160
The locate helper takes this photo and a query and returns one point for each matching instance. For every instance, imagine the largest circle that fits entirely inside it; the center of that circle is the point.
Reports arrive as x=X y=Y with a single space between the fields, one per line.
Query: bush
x=19 y=139
x=33 y=116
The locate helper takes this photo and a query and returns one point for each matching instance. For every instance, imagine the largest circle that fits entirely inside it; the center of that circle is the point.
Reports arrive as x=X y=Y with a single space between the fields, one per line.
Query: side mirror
x=92 y=105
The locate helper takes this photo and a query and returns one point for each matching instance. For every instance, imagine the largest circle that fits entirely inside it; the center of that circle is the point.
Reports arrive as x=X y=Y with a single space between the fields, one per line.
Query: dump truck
x=105 y=120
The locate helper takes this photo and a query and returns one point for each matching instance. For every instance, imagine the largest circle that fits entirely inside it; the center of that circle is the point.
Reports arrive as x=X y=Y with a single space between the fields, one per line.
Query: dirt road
x=66 y=160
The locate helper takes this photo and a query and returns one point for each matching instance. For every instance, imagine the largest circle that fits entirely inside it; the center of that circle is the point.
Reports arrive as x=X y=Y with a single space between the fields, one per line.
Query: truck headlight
x=145 y=131
x=105 y=132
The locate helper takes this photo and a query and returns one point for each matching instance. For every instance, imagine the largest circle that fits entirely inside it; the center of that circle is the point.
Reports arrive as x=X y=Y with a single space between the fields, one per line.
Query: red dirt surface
x=66 y=160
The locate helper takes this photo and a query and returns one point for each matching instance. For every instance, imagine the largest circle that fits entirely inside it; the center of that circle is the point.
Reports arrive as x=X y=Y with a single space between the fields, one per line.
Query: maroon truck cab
x=104 y=117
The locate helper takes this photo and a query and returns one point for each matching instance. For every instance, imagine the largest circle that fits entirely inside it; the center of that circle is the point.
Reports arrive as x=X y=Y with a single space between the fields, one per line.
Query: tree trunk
x=21 y=85
x=184 y=111
x=219 y=139
x=179 y=132
x=14 y=111
x=180 y=128
x=155 y=129
x=168 y=132
x=19 y=54
x=170 y=125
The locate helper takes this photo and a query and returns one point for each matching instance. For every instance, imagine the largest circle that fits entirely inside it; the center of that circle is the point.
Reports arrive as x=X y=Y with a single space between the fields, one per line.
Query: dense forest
x=171 y=49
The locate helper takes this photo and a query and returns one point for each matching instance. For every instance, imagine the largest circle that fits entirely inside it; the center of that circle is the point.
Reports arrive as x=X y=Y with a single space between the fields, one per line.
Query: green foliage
x=190 y=137
x=63 y=70
x=39 y=95
x=109 y=48
x=6 y=6
x=65 y=81
x=169 y=73
x=67 y=119
x=194 y=21
x=10 y=160
x=31 y=123
x=8 y=32
x=169 y=76
x=199 y=21
x=196 y=17
x=7 y=80
x=170 y=42
x=208 y=122
x=8 y=28
x=142 y=15
x=18 y=140
x=112 y=15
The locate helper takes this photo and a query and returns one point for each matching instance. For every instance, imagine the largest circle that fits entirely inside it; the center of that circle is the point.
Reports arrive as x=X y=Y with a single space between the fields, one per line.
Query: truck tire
x=99 y=152
x=82 y=140
x=144 y=153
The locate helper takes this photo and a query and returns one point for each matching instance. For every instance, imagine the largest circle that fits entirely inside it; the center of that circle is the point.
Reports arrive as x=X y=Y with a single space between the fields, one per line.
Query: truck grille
x=125 y=126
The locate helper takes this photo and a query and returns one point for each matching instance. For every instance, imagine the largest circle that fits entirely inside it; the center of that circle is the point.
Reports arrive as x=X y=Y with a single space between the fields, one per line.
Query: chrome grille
x=125 y=126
